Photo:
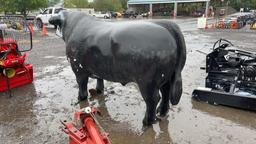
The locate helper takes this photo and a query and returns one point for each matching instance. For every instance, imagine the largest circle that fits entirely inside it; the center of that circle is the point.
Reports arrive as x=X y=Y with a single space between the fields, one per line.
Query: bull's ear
x=55 y=20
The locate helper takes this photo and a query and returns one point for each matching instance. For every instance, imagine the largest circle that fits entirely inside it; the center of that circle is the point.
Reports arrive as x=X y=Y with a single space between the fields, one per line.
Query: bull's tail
x=176 y=80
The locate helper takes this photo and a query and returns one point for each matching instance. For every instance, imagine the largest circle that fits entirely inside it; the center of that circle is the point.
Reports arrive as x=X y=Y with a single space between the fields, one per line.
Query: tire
x=39 y=23
x=105 y=17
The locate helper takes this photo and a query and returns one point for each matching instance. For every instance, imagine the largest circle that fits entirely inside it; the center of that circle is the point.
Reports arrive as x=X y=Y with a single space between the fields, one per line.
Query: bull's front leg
x=163 y=108
x=82 y=81
x=100 y=86
x=150 y=94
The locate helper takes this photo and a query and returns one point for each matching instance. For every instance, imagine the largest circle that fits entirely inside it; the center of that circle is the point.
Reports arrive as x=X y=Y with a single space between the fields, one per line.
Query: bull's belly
x=114 y=73
x=125 y=71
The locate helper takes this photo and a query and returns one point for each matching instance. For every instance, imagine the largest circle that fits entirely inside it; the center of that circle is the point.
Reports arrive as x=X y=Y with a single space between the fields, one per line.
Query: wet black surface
x=33 y=114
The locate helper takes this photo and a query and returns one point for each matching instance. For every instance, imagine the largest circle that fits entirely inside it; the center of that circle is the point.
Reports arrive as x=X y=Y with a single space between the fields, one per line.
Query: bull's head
x=59 y=21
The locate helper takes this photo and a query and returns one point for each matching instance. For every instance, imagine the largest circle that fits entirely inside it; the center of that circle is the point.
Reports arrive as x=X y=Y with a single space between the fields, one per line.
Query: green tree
x=53 y=2
x=76 y=3
x=253 y=4
x=124 y=3
x=107 y=5
x=22 y=6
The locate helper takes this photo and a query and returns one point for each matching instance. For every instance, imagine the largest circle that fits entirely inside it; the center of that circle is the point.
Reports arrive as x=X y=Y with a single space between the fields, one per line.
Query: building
x=151 y=3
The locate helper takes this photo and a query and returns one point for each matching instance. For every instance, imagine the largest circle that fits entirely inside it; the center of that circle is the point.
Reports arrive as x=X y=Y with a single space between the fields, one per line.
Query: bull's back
x=143 y=36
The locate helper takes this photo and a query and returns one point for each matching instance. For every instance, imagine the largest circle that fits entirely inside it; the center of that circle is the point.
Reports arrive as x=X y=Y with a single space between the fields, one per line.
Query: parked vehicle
x=44 y=16
x=104 y=15
x=115 y=14
x=119 y=14
x=198 y=13
x=130 y=14
x=145 y=14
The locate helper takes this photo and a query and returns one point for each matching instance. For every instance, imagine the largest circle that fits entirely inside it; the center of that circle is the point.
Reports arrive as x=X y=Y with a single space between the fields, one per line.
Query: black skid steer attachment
x=231 y=78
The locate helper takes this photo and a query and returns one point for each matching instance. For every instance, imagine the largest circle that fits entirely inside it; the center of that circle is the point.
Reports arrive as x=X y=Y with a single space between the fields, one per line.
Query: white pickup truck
x=106 y=15
x=44 y=16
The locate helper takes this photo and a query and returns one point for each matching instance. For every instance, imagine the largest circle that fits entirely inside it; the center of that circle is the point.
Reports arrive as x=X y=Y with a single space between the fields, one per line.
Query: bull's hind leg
x=164 y=105
x=150 y=95
x=100 y=86
x=175 y=88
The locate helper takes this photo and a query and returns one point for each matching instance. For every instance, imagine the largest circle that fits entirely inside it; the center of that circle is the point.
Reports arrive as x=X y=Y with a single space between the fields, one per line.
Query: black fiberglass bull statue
x=150 y=53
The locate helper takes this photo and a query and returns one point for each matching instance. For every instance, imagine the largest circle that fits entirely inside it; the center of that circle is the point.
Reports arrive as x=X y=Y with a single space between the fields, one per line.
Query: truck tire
x=39 y=23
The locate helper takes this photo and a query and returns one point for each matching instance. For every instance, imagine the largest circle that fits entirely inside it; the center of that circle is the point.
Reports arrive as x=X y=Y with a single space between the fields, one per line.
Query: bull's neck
x=87 y=23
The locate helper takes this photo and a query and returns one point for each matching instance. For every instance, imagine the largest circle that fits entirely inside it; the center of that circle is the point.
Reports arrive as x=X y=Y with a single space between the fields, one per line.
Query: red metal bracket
x=88 y=132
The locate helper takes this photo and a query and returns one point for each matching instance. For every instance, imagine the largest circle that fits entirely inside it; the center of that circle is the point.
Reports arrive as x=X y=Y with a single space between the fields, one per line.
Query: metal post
x=151 y=9
x=206 y=9
x=2 y=28
x=1 y=34
x=175 y=10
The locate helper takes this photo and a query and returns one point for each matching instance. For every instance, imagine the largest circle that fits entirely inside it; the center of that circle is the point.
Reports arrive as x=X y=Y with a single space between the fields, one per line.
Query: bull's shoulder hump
x=134 y=27
x=134 y=23
x=167 y=24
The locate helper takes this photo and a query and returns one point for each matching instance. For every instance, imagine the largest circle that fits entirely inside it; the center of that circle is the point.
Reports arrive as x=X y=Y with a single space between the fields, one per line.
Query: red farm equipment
x=85 y=132
x=14 y=71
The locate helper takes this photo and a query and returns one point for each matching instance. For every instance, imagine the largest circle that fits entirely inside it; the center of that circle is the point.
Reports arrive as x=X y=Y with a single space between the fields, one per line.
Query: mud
x=32 y=115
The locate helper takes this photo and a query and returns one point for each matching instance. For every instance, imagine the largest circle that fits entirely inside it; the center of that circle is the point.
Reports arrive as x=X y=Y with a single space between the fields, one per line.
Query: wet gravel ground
x=32 y=115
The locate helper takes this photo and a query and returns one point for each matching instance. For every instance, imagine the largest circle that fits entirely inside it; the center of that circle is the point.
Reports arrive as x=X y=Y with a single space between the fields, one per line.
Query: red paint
x=88 y=133
x=15 y=61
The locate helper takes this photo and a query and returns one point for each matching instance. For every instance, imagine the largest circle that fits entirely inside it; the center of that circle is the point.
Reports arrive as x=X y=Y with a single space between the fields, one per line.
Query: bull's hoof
x=148 y=122
x=82 y=97
x=144 y=128
x=161 y=116
x=79 y=100
x=99 y=92
x=93 y=92
x=162 y=112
